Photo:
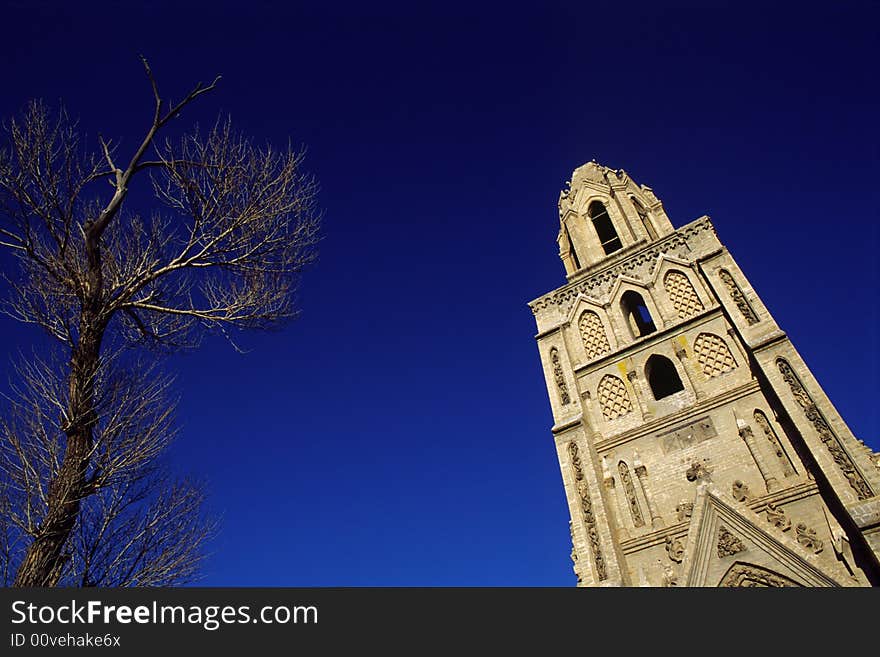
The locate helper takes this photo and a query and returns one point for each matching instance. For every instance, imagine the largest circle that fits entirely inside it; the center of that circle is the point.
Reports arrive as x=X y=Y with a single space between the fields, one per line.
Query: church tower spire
x=602 y=212
x=696 y=447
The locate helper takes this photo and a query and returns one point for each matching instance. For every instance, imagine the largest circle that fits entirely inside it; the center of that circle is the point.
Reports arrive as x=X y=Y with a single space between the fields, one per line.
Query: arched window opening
x=636 y=313
x=646 y=222
x=604 y=228
x=662 y=377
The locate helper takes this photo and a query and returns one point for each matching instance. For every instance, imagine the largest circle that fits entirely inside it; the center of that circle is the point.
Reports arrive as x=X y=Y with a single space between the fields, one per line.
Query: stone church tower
x=696 y=447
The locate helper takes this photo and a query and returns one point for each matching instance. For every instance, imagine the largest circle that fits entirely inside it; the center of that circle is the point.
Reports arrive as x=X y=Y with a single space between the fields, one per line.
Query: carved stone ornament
x=675 y=549
x=808 y=538
x=738 y=297
x=740 y=491
x=777 y=517
x=742 y=575
x=684 y=510
x=670 y=579
x=713 y=356
x=587 y=510
x=559 y=377
x=574 y=556
x=728 y=544
x=566 y=199
x=826 y=435
x=699 y=471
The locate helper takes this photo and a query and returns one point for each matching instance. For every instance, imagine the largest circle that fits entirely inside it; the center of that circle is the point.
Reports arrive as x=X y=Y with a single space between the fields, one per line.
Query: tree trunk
x=44 y=560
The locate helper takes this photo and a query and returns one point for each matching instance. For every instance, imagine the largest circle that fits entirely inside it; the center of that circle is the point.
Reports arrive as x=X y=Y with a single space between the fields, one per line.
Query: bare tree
x=232 y=227
x=137 y=525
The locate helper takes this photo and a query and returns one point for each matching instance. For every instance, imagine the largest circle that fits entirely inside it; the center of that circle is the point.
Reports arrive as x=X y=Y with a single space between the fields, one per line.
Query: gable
x=730 y=545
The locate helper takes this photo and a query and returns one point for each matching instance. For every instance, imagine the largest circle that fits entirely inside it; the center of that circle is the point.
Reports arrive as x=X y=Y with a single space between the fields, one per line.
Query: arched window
x=713 y=355
x=636 y=312
x=662 y=377
x=613 y=398
x=604 y=228
x=682 y=294
x=593 y=334
x=646 y=222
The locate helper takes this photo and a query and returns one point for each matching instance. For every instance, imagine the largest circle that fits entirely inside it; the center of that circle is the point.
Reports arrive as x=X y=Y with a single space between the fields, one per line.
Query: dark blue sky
x=399 y=432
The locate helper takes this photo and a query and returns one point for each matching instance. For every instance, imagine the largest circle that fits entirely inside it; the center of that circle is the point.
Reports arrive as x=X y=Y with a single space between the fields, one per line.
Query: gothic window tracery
x=713 y=355
x=682 y=294
x=613 y=397
x=593 y=334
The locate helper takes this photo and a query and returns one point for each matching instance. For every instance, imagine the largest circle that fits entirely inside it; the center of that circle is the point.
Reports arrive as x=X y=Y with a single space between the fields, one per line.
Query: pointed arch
x=682 y=294
x=636 y=313
x=713 y=355
x=613 y=397
x=593 y=334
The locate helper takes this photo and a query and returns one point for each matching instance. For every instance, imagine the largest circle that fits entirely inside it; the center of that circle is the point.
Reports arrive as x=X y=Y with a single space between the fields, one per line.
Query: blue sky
x=398 y=433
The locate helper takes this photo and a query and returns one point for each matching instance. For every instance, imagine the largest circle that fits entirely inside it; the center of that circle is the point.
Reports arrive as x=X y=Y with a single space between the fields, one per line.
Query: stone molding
x=639 y=266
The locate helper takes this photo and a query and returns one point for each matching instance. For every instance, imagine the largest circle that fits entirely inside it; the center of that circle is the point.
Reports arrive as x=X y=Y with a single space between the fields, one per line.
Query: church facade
x=696 y=447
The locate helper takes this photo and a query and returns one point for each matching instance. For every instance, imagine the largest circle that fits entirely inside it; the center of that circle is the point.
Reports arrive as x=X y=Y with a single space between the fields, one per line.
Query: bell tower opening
x=637 y=315
x=604 y=228
x=685 y=423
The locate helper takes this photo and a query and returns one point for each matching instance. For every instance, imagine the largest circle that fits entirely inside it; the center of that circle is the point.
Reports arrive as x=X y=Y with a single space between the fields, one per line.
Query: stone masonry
x=696 y=447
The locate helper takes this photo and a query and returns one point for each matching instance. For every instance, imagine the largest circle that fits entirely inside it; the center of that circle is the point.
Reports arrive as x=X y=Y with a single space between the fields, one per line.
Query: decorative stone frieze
x=586 y=505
